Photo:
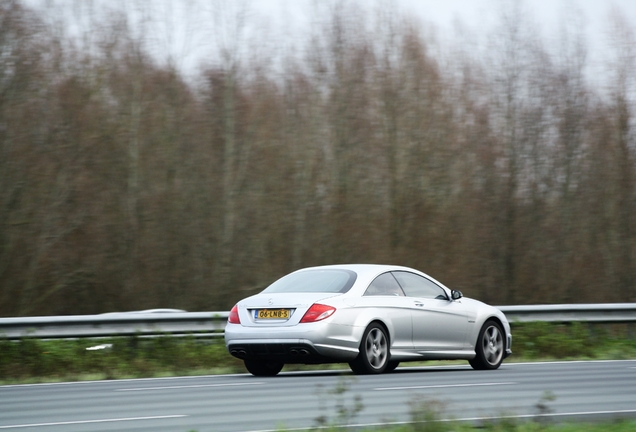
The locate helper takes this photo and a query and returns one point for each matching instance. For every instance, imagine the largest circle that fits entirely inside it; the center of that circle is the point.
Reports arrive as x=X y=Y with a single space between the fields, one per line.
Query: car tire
x=262 y=368
x=374 y=352
x=489 y=348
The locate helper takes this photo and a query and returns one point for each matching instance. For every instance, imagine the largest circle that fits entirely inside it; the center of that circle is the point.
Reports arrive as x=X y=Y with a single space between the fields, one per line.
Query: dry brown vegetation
x=125 y=185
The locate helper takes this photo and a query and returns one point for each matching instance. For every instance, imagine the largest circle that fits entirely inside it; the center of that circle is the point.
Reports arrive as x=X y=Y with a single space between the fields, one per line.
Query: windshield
x=327 y=281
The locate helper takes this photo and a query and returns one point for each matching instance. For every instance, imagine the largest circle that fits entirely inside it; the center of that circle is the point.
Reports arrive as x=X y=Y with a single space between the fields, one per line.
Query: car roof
x=367 y=272
x=361 y=269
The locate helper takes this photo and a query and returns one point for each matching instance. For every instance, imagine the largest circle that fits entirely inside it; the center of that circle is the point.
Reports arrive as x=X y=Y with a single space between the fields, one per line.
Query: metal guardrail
x=114 y=324
x=175 y=322
x=599 y=313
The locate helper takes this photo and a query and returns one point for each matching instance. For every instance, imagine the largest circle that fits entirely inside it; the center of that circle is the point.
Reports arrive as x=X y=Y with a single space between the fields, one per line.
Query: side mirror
x=456 y=295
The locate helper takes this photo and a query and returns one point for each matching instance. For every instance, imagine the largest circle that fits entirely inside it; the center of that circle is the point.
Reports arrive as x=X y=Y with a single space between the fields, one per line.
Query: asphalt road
x=229 y=403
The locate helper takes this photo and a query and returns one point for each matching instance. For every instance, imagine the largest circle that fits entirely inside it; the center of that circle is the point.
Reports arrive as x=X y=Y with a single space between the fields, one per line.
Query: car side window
x=385 y=284
x=417 y=286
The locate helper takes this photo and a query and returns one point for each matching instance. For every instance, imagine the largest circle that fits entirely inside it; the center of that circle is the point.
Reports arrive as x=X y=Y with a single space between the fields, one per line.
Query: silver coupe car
x=370 y=316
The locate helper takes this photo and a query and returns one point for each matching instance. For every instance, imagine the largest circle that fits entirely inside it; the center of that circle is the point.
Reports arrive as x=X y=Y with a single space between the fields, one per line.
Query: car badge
x=270 y=302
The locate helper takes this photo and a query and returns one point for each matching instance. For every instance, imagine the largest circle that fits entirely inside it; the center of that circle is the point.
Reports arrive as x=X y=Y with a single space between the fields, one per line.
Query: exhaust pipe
x=240 y=353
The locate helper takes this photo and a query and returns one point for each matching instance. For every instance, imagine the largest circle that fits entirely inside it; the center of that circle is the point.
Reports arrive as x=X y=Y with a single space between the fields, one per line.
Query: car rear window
x=327 y=281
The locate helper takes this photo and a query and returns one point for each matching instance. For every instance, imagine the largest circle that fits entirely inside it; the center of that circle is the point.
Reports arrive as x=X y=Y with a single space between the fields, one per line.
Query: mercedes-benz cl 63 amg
x=370 y=316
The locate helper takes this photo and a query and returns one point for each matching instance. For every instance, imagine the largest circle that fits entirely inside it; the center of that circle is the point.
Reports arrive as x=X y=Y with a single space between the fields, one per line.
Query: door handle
x=419 y=304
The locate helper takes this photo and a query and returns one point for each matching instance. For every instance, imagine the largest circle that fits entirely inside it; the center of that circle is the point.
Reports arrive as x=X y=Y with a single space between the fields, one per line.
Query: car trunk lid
x=278 y=309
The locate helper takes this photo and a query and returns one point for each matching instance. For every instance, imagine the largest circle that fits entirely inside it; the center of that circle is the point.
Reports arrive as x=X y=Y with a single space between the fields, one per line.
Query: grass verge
x=502 y=426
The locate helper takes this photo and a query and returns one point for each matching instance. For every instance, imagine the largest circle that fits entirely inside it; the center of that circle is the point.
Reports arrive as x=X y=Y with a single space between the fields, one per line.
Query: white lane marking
x=562 y=362
x=125 y=419
x=405 y=368
x=444 y=386
x=465 y=419
x=190 y=386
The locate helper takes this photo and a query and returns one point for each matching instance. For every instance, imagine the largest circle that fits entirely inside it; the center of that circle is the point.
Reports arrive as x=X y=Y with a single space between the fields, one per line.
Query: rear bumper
x=285 y=352
x=311 y=343
x=290 y=351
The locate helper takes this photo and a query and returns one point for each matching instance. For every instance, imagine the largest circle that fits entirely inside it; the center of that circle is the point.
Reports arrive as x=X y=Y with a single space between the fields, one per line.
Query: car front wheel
x=263 y=368
x=489 y=347
x=374 y=352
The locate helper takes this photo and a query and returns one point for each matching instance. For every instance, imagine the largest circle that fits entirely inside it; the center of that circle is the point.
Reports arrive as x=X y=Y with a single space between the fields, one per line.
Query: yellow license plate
x=272 y=314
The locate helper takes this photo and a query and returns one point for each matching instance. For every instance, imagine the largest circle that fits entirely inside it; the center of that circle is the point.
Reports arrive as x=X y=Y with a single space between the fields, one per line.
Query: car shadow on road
x=398 y=371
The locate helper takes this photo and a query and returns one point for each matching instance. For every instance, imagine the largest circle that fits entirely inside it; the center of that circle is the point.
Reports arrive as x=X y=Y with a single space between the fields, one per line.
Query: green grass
x=506 y=426
x=622 y=426
x=33 y=360
x=546 y=341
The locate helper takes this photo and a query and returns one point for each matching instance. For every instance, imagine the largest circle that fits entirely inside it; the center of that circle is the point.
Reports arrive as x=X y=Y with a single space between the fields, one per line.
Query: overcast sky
x=449 y=20
x=475 y=15
x=474 y=20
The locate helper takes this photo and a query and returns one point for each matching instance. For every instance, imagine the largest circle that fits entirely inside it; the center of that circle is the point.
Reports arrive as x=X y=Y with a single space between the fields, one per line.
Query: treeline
x=503 y=171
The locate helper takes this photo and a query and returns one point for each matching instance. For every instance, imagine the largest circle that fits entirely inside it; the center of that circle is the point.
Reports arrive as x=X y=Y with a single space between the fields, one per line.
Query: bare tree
x=623 y=81
x=511 y=61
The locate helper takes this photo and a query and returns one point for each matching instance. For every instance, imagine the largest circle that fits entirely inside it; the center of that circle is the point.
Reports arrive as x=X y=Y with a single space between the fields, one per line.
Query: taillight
x=317 y=312
x=233 y=318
